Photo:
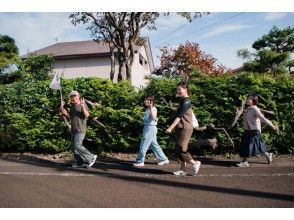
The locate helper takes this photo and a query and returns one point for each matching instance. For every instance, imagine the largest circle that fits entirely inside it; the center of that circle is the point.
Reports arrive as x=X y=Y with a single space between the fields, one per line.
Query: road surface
x=33 y=182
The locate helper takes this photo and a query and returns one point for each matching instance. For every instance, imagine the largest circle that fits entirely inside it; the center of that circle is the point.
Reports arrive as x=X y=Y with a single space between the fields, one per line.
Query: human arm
x=173 y=125
x=259 y=115
x=84 y=108
x=63 y=111
x=184 y=106
x=153 y=113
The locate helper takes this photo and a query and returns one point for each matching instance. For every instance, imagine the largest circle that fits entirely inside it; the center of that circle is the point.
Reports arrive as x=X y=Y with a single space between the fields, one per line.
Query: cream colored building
x=92 y=59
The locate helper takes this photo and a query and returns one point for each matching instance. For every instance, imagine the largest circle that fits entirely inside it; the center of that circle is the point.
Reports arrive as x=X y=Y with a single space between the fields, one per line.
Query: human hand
x=168 y=131
x=62 y=103
x=83 y=103
x=275 y=128
x=62 y=110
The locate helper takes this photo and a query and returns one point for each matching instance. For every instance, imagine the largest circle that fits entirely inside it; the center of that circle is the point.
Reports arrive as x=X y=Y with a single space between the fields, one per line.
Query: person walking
x=252 y=143
x=78 y=115
x=149 y=138
x=183 y=128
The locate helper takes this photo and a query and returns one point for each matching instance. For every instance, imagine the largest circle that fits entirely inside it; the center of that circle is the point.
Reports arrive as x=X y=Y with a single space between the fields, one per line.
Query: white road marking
x=145 y=175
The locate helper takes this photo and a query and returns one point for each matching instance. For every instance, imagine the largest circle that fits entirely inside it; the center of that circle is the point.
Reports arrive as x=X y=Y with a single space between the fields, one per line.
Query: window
x=142 y=61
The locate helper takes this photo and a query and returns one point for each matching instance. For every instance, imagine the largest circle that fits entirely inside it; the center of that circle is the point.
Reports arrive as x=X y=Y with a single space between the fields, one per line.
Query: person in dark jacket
x=183 y=128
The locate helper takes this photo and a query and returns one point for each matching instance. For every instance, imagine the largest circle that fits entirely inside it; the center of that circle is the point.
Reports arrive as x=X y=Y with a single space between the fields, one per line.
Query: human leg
x=182 y=141
x=80 y=152
x=246 y=148
x=144 y=145
x=157 y=150
x=243 y=163
x=269 y=157
x=78 y=158
x=182 y=171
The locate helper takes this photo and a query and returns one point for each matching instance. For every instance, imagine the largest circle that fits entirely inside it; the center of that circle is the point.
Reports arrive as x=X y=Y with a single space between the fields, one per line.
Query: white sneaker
x=269 y=157
x=163 y=162
x=196 y=167
x=79 y=166
x=243 y=164
x=180 y=173
x=138 y=164
x=93 y=161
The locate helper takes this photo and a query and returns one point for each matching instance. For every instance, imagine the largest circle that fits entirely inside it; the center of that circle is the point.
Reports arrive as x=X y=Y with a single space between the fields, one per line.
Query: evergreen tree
x=8 y=53
x=273 y=52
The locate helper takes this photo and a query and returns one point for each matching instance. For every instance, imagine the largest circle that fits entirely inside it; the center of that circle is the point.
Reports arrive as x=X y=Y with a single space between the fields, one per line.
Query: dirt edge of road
x=129 y=157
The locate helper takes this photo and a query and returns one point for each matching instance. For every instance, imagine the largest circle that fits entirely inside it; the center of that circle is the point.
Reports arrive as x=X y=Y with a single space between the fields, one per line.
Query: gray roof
x=84 y=48
x=72 y=49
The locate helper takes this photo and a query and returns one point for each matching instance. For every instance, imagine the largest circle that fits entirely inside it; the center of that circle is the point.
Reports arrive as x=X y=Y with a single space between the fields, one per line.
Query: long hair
x=185 y=86
x=150 y=98
x=254 y=98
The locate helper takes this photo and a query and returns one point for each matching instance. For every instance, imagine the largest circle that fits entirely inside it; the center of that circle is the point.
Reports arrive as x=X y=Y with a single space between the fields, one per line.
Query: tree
x=37 y=67
x=186 y=58
x=291 y=65
x=277 y=40
x=273 y=52
x=121 y=31
x=8 y=53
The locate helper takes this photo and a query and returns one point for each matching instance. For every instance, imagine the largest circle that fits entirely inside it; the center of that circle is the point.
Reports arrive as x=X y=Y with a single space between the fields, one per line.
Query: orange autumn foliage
x=186 y=58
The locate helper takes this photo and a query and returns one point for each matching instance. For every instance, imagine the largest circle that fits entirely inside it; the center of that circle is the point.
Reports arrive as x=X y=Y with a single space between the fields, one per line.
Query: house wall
x=100 y=67
x=140 y=69
x=84 y=67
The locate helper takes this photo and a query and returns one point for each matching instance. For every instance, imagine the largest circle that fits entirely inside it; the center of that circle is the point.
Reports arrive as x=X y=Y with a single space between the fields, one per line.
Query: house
x=92 y=59
x=237 y=70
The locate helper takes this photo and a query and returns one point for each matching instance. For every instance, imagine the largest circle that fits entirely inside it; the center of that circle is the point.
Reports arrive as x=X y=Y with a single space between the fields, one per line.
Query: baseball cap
x=73 y=93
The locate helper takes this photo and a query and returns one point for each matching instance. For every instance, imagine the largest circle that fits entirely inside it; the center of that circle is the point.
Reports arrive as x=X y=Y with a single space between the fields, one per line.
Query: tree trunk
x=121 y=69
x=112 y=70
x=130 y=62
x=128 y=72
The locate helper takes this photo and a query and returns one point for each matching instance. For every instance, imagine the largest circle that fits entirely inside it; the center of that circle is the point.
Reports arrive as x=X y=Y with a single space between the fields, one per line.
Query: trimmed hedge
x=27 y=125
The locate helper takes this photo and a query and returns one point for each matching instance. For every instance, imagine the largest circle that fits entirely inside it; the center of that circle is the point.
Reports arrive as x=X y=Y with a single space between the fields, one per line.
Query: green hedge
x=28 y=125
x=215 y=99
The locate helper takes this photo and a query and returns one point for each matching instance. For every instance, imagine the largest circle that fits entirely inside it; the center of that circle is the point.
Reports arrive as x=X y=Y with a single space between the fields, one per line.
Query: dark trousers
x=182 y=141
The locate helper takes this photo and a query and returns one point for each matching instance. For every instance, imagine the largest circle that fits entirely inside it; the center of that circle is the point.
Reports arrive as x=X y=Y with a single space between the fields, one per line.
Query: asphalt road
x=34 y=182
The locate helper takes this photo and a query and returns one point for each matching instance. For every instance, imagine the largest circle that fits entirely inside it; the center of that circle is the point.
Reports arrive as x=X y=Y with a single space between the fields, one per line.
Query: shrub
x=27 y=125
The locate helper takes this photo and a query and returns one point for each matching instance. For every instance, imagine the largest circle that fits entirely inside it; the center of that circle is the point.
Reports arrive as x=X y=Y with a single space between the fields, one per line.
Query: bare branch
x=98 y=123
x=239 y=112
x=93 y=104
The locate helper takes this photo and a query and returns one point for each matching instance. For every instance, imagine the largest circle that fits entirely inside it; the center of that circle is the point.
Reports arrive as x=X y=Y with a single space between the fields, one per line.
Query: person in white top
x=252 y=143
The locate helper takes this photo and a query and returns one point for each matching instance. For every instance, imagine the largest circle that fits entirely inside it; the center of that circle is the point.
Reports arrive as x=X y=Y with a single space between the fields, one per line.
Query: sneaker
x=79 y=165
x=138 y=164
x=196 y=167
x=92 y=161
x=269 y=157
x=180 y=173
x=163 y=162
x=243 y=164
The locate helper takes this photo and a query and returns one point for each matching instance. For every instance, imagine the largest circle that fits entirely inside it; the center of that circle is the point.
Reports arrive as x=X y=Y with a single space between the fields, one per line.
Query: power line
x=213 y=24
x=171 y=33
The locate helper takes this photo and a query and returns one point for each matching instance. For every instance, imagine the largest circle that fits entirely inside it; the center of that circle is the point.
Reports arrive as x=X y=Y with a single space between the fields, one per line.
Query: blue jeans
x=81 y=154
x=149 y=140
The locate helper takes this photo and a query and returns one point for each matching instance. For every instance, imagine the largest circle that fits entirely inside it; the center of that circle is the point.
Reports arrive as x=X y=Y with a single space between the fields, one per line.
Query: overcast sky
x=219 y=34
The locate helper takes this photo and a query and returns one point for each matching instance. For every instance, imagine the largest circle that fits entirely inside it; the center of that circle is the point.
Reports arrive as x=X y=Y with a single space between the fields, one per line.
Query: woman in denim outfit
x=149 y=138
